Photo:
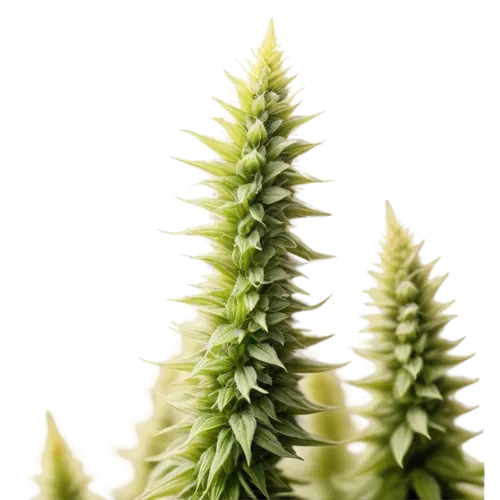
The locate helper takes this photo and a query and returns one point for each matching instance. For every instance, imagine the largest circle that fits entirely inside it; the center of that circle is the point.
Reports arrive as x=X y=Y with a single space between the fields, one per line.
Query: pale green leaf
x=273 y=169
x=428 y=391
x=267 y=405
x=306 y=365
x=265 y=353
x=260 y=318
x=256 y=275
x=300 y=147
x=426 y=487
x=265 y=256
x=278 y=304
x=297 y=403
x=224 y=397
x=225 y=442
x=206 y=423
x=264 y=377
x=251 y=300
x=174 y=483
x=277 y=145
x=203 y=466
x=267 y=440
x=232 y=489
x=224 y=334
x=237 y=113
x=273 y=318
x=300 y=209
x=257 y=212
x=276 y=274
x=294 y=122
x=402 y=352
x=253 y=326
x=273 y=194
x=214 y=167
x=227 y=151
x=246 y=380
x=243 y=426
x=246 y=486
x=417 y=419
x=414 y=366
x=259 y=414
x=402 y=383
x=257 y=474
x=236 y=131
x=421 y=343
x=400 y=441
x=218 y=487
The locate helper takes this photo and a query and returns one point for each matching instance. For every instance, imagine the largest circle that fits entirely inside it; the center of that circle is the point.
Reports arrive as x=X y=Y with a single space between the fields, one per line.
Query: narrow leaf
x=206 y=423
x=265 y=353
x=305 y=365
x=428 y=391
x=225 y=150
x=402 y=383
x=259 y=414
x=414 y=366
x=426 y=487
x=224 y=397
x=224 y=334
x=203 y=466
x=401 y=440
x=402 y=352
x=268 y=407
x=418 y=420
x=274 y=194
x=267 y=440
x=276 y=274
x=243 y=426
x=257 y=474
x=246 y=380
x=234 y=111
x=225 y=443
x=260 y=318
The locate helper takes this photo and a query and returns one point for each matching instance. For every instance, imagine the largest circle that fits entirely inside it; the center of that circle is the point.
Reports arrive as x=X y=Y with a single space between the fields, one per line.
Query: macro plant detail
x=414 y=445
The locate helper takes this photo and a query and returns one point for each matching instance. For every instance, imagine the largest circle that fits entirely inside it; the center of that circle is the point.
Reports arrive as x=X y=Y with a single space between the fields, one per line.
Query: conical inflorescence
x=62 y=476
x=241 y=394
x=414 y=445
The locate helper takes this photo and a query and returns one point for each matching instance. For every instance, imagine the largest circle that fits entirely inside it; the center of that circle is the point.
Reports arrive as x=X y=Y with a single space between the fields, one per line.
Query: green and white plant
x=414 y=446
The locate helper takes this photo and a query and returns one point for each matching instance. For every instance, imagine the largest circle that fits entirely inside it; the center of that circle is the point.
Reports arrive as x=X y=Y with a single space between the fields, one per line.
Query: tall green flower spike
x=241 y=393
x=414 y=445
x=62 y=476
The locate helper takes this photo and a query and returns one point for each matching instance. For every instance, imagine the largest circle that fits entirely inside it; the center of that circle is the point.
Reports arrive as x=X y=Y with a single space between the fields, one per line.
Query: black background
x=405 y=109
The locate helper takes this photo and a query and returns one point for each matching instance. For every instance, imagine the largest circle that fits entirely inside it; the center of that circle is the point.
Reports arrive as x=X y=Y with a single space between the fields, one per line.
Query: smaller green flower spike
x=414 y=445
x=62 y=475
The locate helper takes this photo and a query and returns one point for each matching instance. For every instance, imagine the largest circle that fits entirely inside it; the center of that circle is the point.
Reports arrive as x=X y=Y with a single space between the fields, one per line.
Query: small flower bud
x=257 y=133
x=258 y=105
x=406 y=291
